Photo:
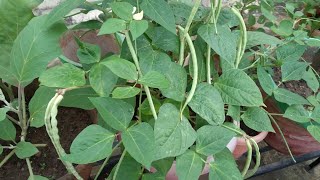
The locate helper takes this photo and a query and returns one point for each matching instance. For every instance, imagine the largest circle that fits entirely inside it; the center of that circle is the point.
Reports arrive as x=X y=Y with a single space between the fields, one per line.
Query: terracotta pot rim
x=258 y=138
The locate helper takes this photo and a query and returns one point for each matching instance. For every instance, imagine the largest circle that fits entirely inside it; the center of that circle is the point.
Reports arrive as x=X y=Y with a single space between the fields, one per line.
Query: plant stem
x=282 y=135
x=258 y=158
x=195 y=70
x=140 y=102
x=136 y=61
x=24 y=116
x=30 y=169
x=234 y=130
x=118 y=165
x=13 y=120
x=106 y=161
x=248 y=161
x=7 y=158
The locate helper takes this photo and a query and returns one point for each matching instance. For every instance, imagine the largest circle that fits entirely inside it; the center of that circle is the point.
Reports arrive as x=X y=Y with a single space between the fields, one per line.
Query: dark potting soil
x=71 y=122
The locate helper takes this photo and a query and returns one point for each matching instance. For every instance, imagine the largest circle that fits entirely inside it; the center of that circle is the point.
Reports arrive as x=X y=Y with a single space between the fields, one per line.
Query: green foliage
x=207 y=102
x=63 y=76
x=212 y=139
x=7 y=130
x=224 y=167
x=117 y=113
x=173 y=135
x=257 y=119
x=121 y=67
x=94 y=143
x=25 y=150
x=139 y=142
x=237 y=88
x=160 y=12
x=125 y=92
x=186 y=120
x=189 y=165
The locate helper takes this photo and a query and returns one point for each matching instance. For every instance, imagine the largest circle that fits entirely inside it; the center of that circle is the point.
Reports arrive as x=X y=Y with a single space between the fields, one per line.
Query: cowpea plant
x=162 y=95
x=28 y=44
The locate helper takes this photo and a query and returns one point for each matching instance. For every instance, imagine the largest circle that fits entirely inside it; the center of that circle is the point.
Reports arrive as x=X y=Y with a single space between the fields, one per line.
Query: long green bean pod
x=53 y=132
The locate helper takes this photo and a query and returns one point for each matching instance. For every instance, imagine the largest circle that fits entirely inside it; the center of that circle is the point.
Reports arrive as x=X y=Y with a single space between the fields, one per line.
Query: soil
x=46 y=163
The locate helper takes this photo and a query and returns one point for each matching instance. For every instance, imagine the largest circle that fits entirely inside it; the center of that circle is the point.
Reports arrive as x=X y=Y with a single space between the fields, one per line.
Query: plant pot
x=107 y=44
x=298 y=138
x=241 y=147
x=172 y=175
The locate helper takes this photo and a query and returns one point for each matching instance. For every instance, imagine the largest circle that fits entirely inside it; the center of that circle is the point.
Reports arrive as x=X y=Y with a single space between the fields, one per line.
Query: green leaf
x=311 y=79
x=34 y=48
x=88 y=53
x=25 y=150
x=290 y=52
x=125 y=92
x=162 y=166
x=1 y=149
x=121 y=67
x=189 y=166
x=251 y=20
x=154 y=79
x=313 y=42
x=173 y=133
x=297 y=113
x=267 y=11
x=37 y=177
x=102 y=79
x=207 y=102
x=11 y=27
x=256 y=38
x=139 y=142
x=3 y=113
x=266 y=81
x=237 y=88
x=115 y=112
x=224 y=167
x=160 y=12
x=161 y=62
x=7 y=130
x=164 y=39
x=314 y=131
x=224 y=43
x=288 y=97
x=234 y=112
x=293 y=70
x=113 y=25
x=79 y=98
x=284 y=28
x=122 y=10
x=38 y=105
x=316 y=114
x=257 y=119
x=63 y=76
x=137 y=28
x=212 y=139
x=94 y=143
x=129 y=169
